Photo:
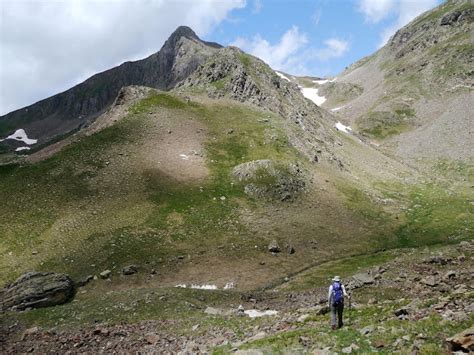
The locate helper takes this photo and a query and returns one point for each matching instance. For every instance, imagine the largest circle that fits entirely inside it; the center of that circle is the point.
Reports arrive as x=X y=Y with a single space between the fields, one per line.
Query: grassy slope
x=85 y=210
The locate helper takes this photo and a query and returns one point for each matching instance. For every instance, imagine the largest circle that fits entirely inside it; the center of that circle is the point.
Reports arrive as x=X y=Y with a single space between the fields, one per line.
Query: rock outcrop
x=233 y=74
x=266 y=179
x=36 y=290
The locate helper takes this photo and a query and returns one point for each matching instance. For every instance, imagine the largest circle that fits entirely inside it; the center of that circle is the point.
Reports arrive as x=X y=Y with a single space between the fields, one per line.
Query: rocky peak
x=79 y=106
x=175 y=37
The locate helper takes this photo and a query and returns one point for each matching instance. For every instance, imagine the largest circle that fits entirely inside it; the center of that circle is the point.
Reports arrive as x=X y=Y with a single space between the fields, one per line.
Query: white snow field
x=282 y=76
x=312 y=94
x=342 y=128
x=20 y=135
x=321 y=82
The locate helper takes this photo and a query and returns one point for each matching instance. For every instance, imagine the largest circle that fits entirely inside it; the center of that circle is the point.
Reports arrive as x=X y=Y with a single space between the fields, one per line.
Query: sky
x=48 y=46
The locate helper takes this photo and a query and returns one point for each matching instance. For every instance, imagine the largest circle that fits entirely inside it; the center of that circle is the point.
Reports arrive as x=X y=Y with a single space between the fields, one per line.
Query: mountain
x=60 y=114
x=414 y=96
x=233 y=187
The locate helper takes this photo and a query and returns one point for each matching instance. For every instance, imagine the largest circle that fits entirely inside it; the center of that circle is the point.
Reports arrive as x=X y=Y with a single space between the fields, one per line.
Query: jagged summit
x=183 y=31
x=60 y=114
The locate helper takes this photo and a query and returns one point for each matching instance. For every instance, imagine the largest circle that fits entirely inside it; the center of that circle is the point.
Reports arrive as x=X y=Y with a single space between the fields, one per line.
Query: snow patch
x=321 y=82
x=254 y=313
x=204 y=287
x=282 y=76
x=312 y=94
x=184 y=156
x=19 y=149
x=333 y=79
x=229 y=286
x=341 y=127
x=20 y=135
x=337 y=108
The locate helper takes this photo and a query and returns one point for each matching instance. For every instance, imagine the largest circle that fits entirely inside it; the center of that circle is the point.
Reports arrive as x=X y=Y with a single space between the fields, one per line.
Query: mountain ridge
x=183 y=214
x=80 y=105
x=415 y=93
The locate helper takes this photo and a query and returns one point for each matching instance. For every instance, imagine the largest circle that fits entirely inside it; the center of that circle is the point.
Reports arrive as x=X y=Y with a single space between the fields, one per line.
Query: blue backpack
x=338 y=296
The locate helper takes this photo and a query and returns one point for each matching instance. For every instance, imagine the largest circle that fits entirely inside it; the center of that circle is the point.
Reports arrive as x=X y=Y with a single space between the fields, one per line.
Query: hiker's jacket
x=331 y=294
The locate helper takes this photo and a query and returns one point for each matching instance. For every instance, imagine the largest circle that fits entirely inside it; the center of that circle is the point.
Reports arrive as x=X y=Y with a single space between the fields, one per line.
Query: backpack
x=338 y=297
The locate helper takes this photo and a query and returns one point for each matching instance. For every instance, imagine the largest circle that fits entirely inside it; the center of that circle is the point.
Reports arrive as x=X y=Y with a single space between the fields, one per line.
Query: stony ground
x=409 y=304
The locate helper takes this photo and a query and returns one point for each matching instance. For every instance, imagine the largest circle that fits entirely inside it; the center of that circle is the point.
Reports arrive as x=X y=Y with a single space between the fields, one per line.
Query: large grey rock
x=430 y=281
x=361 y=279
x=37 y=289
x=130 y=270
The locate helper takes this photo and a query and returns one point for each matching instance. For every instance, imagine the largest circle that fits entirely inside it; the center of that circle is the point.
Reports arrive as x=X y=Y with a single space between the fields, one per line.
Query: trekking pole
x=350 y=307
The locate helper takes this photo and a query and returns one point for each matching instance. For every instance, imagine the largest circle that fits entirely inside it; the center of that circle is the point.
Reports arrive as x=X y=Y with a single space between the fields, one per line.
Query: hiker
x=336 y=295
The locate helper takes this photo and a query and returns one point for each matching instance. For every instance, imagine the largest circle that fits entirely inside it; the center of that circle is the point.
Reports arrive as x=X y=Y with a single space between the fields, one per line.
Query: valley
x=178 y=198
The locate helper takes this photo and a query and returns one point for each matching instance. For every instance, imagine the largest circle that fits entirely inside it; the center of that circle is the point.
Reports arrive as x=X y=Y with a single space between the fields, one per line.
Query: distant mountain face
x=181 y=54
x=415 y=95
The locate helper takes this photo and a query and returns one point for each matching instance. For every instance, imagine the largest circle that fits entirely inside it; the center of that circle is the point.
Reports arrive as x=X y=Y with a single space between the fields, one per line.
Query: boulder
x=401 y=312
x=212 y=311
x=350 y=349
x=273 y=247
x=430 y=281
x=37 y=289
x=323 y=310
x=463 y=341
x=152 y=338
x=129 y=270
x=105 y=274
x=361 y=279
x=367 y=330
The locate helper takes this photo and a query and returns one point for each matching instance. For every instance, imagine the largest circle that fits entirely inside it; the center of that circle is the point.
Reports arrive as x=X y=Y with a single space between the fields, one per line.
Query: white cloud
x=278 y=55
x=292 y=53
x=376 y=10
x=404 y=11
x=257 y=6
x=48 y=46
x=334 y=48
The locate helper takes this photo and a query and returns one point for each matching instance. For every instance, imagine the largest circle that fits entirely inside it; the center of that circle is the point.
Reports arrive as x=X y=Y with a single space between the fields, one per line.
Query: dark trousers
x=336 y=311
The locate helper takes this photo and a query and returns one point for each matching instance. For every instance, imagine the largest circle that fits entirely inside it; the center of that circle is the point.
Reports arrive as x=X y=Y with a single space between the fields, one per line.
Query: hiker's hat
x=337 y=278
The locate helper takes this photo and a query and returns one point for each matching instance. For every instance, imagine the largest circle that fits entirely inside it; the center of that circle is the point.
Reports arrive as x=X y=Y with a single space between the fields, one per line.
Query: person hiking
x=336 y=295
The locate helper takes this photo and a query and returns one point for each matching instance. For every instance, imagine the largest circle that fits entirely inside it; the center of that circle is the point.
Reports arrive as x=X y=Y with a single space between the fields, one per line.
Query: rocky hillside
x=239 y=76
x=415 y=95
x=60 y=114
x=150 y=226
